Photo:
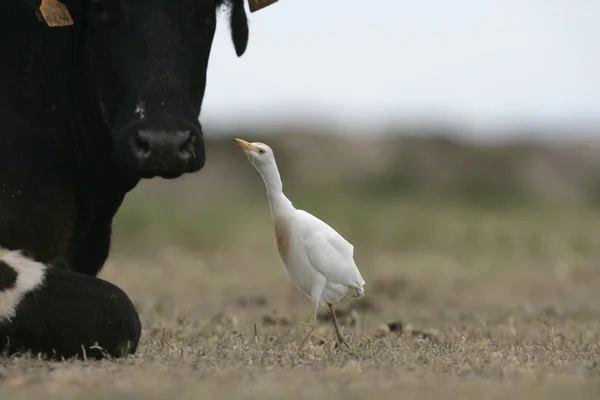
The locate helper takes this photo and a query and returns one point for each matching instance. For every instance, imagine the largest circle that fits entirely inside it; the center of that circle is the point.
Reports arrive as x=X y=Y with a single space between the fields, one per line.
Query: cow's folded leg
x=62 y=314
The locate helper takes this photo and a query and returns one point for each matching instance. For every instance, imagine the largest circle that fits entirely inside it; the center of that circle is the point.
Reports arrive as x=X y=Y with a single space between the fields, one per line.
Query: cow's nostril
x=142 y=145
x=187 y=149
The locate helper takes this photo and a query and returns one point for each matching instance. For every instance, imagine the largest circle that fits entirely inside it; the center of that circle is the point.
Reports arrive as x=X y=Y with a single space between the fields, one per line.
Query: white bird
x=317 y=259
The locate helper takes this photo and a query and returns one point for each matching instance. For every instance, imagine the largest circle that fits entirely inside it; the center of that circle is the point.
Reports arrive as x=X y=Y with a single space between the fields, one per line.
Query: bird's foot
x=301 y=350
x=341 y=341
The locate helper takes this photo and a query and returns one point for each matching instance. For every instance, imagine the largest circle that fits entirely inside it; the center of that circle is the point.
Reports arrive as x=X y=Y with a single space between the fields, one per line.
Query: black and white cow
x=86 y=111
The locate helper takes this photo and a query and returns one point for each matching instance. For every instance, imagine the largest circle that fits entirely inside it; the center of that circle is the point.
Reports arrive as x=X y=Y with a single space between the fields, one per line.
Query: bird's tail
x=356 y=291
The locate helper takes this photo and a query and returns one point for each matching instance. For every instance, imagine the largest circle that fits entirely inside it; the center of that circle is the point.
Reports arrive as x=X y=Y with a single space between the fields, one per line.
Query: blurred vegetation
x=406 y=194
x=435 y=166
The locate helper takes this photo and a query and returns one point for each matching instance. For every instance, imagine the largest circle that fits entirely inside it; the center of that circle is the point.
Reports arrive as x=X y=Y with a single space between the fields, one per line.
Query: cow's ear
x=239 y=26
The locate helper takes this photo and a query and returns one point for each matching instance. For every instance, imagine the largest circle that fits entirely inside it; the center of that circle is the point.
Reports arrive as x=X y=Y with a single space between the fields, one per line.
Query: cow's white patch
x=140 y=109
x=30 y=275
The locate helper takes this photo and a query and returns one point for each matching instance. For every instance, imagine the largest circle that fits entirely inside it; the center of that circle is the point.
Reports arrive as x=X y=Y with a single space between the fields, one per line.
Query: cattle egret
x=317 y=259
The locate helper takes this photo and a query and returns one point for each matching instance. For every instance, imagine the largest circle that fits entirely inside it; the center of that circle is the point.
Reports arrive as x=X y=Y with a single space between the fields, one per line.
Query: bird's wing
x=329 y=252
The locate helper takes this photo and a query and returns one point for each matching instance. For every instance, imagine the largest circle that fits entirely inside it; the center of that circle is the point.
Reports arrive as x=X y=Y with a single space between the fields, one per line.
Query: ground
x=463 y=299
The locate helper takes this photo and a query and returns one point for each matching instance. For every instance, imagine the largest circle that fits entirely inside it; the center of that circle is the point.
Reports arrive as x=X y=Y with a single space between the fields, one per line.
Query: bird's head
x=259 y=154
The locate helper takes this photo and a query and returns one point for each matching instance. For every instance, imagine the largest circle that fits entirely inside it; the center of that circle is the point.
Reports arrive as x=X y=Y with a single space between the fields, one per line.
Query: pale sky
x=369 y=62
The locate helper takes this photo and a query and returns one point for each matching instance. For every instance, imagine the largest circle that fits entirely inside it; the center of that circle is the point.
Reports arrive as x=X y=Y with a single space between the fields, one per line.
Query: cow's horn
x=55 y=13
x=256 y=5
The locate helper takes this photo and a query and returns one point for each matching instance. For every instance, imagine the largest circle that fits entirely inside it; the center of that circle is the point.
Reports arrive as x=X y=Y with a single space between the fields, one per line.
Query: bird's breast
x=283 y=235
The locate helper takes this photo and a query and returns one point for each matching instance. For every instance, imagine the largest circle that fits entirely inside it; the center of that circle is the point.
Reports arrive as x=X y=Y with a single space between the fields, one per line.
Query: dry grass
x=462 y=301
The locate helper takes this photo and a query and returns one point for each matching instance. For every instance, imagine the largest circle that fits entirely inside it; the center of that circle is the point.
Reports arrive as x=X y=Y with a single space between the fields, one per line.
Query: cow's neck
x=100 y=187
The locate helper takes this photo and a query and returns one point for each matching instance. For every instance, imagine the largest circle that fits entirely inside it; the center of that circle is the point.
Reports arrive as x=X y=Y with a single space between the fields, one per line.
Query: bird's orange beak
x=244 y=145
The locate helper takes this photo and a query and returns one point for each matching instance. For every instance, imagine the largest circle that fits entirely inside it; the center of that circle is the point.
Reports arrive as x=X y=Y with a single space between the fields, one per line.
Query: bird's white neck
x=280 y=205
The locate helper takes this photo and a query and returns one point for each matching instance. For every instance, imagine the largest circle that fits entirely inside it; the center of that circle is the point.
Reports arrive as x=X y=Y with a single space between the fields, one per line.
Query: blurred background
x=455 y=144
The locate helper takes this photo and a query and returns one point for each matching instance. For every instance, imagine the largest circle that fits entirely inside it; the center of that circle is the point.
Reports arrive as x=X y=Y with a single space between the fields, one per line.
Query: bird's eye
x=261 y=151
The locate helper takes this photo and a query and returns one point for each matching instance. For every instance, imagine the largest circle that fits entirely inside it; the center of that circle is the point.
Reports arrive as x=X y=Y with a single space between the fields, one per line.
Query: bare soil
x=462 y=301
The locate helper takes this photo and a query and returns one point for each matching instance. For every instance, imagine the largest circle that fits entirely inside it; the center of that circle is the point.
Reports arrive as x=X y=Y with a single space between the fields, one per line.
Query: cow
x=88 y=108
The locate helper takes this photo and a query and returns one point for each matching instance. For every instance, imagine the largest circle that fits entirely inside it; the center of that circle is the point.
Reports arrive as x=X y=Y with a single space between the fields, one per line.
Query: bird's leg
x=309 y=330
x=340 y=338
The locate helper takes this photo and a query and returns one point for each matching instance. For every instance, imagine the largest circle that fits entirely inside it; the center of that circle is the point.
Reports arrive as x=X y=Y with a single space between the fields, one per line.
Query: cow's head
x=150 y=59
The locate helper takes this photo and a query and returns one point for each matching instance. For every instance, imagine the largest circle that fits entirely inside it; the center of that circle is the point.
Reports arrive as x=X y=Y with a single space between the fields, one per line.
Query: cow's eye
x=106 y=12
x=203 y=16
x=99 y=11
x=98 y=6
